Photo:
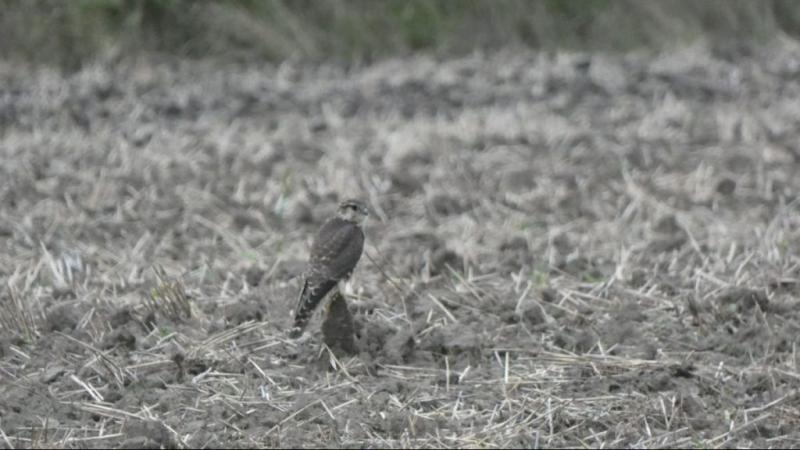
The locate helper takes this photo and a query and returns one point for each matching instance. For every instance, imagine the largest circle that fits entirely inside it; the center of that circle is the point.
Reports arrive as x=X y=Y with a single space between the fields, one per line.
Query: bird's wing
x=336 y=249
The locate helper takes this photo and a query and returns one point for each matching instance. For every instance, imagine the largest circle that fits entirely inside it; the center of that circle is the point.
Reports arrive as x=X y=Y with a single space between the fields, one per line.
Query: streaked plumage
x=334 y=254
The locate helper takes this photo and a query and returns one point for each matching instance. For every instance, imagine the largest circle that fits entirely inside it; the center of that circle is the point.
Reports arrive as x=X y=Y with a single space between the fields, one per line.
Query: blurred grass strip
x=68 y=33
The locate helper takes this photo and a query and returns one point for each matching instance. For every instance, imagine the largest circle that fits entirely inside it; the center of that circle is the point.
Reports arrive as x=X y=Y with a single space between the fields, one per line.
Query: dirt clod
x=63 y=316
x=124 y=337
x=337 y=326
x=399 y=347
x=148 y=434
x=743 y=300
x=726 y=186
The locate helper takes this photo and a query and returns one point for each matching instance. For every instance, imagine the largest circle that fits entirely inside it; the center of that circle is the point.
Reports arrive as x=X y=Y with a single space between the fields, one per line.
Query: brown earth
x=567 y=250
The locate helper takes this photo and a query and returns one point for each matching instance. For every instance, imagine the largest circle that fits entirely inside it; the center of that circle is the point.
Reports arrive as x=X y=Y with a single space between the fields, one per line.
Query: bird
x=335 y=251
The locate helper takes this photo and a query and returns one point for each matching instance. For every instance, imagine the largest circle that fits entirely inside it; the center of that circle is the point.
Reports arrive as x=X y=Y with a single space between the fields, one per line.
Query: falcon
x=334 y=254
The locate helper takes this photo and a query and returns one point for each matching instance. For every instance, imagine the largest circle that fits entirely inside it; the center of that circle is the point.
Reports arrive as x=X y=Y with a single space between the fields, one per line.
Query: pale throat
x=353 y=216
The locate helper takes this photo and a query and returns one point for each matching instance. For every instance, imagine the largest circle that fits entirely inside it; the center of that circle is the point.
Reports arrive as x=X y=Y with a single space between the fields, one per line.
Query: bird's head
x=353 y=211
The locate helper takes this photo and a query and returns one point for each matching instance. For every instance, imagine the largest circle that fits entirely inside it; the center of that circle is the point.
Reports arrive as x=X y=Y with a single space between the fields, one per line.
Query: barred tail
x=311 y=296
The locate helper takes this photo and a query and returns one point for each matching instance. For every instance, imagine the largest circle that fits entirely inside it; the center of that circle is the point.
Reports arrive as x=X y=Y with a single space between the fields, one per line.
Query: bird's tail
x=311 y=296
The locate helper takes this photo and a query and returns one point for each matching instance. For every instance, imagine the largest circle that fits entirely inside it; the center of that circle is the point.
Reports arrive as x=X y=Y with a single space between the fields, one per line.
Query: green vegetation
x=72 y=32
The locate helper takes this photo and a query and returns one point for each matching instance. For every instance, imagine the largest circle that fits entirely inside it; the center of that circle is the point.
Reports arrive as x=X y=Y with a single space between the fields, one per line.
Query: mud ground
x=565 y=250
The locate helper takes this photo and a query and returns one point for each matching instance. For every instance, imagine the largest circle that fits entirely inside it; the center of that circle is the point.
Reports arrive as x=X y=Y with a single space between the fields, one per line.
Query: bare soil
x=566 y=250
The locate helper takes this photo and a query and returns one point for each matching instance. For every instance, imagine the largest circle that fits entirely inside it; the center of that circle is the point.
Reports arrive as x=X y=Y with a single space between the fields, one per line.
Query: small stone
x=667 y=225
x=254 y=275
x=726 y=186
x=52 y=374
